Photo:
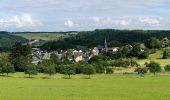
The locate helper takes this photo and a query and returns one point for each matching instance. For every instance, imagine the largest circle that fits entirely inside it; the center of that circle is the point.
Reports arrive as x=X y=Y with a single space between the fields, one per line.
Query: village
x=75 y=55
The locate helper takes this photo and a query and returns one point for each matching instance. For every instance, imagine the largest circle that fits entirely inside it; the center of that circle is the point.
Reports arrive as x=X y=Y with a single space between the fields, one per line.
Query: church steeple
x=105 y=45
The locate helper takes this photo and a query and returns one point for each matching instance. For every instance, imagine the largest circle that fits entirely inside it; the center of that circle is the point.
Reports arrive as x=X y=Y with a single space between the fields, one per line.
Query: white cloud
x=19 y=21
x=69 y=23
x=110 y=21
x=96 y=19
x=124 y=22
x=150 y=20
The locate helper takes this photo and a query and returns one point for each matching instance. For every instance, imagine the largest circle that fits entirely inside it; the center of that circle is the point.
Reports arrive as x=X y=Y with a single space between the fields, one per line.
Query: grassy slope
x=157 y=58
x=100 y=87
x=7 y=40
x=43 y=36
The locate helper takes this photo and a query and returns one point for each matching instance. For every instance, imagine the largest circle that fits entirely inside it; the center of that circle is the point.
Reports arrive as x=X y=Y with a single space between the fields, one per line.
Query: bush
x=167 y=68
x=109 y=71
x=144 y=55
x=166 y=54
x=125 y=63
x=141 y=70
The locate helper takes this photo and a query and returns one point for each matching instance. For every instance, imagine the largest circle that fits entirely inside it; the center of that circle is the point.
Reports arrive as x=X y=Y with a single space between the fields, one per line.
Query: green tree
x=141 y=70
x=20 y=54
x=50 y=70
x=54 y=58
x=167 y=68
x=68 y=70
x=20 y=63
x=144 y=55
x=166 y=54
x=31 y=70
x=154 y=67
x=122 y=52
x=49 y=67
x=136 y=50
x=89 y=70
x=6 y=67
x=153 y=43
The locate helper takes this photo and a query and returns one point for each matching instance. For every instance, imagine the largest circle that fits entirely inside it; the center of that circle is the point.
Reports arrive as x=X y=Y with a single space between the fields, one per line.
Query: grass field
x=43 y=36
x=100 y=87
x=157 y=57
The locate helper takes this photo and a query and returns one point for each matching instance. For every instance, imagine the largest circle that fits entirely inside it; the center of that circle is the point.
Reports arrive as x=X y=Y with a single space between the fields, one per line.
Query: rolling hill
x=7 y=40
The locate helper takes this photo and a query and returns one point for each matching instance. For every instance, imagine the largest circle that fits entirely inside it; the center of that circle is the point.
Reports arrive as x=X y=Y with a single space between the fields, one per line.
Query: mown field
x=100 y=87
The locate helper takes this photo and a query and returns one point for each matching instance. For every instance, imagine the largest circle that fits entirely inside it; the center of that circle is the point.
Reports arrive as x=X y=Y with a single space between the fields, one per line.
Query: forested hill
x=114 y=38
x=7 y=40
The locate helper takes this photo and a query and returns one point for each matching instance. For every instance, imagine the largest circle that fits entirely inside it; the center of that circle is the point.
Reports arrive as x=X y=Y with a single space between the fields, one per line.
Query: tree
x=31 y=70
x=49 y=67
x=144 y=55
x=54 y=58
x=20 y=54
x=68 y=70
x=153 y=67
x=135 y=52
x=153 y=43
x=20 y=63
x=167 y=68
x=141 y=70
x=5 y=65
x=18 y=49
x=122 y=52
x=89 y=70
x=166 y=54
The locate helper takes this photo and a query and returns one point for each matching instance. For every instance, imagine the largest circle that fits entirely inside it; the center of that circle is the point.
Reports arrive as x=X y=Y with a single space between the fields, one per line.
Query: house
x=36 y=56
x=142 y=46
x=95 y=51
x=166 y=45
x=113 y=49
x=46 y=55
x=78 y=55
x=36 y=62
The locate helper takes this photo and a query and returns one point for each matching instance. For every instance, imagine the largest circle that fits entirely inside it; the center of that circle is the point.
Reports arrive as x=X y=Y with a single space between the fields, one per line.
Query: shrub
x=167 y=68
x=141 y=70
x=166 y=54
x=109 y=71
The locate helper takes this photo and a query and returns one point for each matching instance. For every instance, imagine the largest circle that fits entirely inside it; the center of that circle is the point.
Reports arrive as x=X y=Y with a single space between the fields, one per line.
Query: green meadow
x=99 y=87
x=42 y=36
x=157 y=57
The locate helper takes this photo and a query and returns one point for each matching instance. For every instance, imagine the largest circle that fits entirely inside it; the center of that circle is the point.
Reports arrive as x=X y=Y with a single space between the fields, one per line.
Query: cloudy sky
x=82 y=15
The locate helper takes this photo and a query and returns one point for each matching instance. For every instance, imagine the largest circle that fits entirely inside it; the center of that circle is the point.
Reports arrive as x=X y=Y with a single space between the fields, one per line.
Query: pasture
x=42 y=36
x=157 y=57
x=100 y=87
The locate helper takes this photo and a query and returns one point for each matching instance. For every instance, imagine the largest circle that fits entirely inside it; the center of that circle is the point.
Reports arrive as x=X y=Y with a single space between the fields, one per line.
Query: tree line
x=115 y=38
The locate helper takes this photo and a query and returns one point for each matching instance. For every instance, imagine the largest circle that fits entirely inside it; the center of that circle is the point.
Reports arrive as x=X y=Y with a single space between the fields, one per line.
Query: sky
x=83 y=15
